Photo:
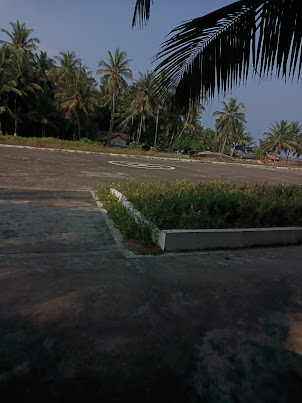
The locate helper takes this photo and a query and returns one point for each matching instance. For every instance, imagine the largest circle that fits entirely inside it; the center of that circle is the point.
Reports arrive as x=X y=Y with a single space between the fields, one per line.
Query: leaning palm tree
x=218 y=50
x=114 y=73
x=20 y=37
x=231 y=115
x=280 y=138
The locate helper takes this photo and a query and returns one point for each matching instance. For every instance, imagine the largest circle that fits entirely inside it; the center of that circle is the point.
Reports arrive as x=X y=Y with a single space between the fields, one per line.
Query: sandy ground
x=81 y=319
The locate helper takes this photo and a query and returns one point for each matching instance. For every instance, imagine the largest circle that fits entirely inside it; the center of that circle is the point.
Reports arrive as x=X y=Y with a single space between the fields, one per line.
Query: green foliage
x=127 y=224
x=134 y=146
x=215 y=204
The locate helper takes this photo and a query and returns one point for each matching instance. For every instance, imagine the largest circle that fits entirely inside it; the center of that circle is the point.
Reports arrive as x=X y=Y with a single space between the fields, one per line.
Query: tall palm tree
x=240 y=137
x=280 y=138
x=77 y=96
x=21 y=81
x=216 y=51
x=144 y=103
x=5 y=60
x=231 y=115
x=115 y=73
x=20 y=37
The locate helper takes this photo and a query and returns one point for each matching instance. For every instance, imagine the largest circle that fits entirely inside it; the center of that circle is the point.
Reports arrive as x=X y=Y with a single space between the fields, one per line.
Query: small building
x=117 y=139
x=271 y=158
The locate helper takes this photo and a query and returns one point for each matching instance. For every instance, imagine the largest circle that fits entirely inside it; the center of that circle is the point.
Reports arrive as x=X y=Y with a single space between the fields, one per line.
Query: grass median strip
x=199 y=205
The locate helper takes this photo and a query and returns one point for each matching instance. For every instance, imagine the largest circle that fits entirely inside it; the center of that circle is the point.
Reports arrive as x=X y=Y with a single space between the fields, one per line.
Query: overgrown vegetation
x=193 y=205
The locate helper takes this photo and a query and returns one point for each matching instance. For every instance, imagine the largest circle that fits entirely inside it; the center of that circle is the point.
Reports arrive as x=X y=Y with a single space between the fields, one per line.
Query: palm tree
x=144 y=103
x=280 y=138
x=216 y=51
x=5 y=60
x=192 y=115
x=240 y=137
x=21 y=81
x=77 y=96
x=231 y=115
x=20 y=37
x=115 y=73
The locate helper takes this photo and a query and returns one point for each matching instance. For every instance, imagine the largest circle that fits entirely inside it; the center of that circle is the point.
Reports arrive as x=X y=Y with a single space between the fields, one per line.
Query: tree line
x=59 y=97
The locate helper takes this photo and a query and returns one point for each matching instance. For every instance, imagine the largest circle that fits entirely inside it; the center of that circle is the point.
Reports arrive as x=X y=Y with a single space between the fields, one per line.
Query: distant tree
x=20 y=37
x=77 y=96
x=115 y=73
x=21 y=81
x=240 y=137
x=144 y=103
x=231 y=115
x=281 y=138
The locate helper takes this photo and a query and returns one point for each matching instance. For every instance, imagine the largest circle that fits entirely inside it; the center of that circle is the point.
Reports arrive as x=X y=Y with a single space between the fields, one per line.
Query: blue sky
x=93 y=27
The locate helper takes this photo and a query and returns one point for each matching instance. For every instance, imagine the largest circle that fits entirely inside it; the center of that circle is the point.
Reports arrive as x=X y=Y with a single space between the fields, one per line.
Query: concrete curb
x=203 y=239
x=149 y=157
x=110 y=224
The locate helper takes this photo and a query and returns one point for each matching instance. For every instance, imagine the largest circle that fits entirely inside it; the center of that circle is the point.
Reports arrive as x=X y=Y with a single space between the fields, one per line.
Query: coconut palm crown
x=114 y=73
x=20 y=37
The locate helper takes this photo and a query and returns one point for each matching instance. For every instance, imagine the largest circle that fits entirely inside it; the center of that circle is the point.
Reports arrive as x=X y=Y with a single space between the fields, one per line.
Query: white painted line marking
x=141 y=165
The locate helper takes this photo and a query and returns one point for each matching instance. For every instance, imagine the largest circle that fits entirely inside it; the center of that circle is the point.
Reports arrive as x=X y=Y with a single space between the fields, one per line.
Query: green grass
x=125 y=221
x=194 y=205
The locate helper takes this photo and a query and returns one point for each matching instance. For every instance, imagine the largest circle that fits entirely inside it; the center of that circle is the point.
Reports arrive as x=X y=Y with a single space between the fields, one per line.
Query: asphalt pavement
x=81 y=318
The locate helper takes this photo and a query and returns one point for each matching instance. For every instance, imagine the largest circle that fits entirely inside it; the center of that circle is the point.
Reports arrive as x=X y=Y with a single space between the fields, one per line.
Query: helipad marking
x=141 y=165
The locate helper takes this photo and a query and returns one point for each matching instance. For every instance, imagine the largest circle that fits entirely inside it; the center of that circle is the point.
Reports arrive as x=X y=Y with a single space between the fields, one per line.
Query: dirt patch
x=139 y=249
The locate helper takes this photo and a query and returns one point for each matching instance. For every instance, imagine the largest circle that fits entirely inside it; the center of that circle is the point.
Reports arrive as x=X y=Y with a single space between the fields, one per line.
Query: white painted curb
x=200 y=239
x=136 y=214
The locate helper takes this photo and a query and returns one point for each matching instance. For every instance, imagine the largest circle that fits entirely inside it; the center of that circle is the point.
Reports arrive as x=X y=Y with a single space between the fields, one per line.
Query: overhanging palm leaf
x=215 y=52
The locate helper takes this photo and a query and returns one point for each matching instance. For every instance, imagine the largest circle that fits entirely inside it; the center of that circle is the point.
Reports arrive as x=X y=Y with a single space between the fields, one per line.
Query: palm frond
x=141 y=12
x=216 y=52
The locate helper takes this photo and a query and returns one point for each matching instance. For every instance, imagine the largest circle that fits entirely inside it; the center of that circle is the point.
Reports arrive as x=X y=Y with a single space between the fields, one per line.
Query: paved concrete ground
x=80 y=320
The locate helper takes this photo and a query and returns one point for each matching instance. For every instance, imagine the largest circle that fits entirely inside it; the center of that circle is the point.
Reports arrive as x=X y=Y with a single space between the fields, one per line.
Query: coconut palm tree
x=240 y=137
x=77 y=96
x=144 y=103
x=218 y=50
x=21 y=81
x=5 y=60
x=191 y=116
x=114 y=73
x=20 y=37
x=280 y=138
x=231 y=115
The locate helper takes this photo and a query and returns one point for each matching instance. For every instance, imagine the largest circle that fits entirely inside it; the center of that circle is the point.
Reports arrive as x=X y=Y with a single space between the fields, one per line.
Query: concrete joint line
x=202 y=239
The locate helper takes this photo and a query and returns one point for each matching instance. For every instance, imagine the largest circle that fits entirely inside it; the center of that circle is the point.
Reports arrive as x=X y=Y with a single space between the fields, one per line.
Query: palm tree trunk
x=287 y=156
x=16 y=121
x=1 y=130
x=79 y=127
x=156 y=130
x=277 y=149
x=111 y=121
x=140 y=129
x=224 y=144
x=235 y=144
x=181 y=133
